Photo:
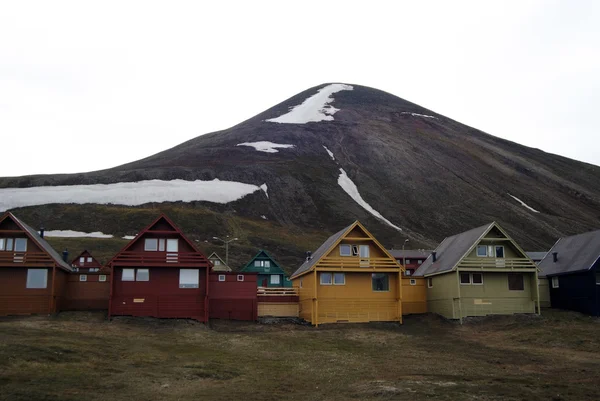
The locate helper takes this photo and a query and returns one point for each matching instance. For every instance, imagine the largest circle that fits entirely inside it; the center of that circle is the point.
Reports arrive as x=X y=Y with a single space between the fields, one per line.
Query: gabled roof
x=410 y=253
x=250 y=265
x=147 y=229
x=42 y=243
x=331 y=243
x=536 y=255
x=224 y=265
x=575 y=253
x=85 y=253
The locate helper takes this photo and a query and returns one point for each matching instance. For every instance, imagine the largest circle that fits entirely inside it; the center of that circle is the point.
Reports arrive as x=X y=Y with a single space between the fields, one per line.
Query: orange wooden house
x=350 y=278
x=32 y=275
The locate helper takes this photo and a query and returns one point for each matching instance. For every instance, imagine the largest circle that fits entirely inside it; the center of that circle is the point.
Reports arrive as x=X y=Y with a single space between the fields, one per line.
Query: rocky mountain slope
x=318 y=161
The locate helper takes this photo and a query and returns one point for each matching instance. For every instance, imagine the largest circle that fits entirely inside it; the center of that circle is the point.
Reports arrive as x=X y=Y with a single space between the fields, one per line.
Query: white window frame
x=161 y=245
x=89 y=259
x=460 y=275
x=266 y=263
x=420 y=261
x=102 y=277
x=189 y=278
x=477 y=251
x=148 y=241
x=130 y=275
x=345 y=247
x=408 y=261
x=343 y=277
x=172 y=245
x=216 y=262
x=30 y=285
x=10 y=243
x=503 y=251
x=407 y=272
x=355 y=251
x=240 y=277
x=555 y=282
x=83 y=277
x=137 y=273
x=221 y=277
x=17 y=240
x=324 y=274
x=274 y=282
x=473 y=281
x=2 y=244
x=82 y=259
x=413 y=281
x=429 y=282
x=389 y=286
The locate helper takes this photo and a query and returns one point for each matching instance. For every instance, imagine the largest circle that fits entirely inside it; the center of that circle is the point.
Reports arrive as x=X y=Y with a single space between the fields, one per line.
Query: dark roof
x=410 y=253
x=42 y=242
x=451 y=251
x=575 y=253
x=318 y=254
x=536 y=255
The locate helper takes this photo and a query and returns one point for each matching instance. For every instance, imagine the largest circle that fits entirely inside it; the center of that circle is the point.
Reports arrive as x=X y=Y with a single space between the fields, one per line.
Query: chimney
x=42 y=229
x=66 y=255
x=433 y=255
x=308 y=256
x=554 y=257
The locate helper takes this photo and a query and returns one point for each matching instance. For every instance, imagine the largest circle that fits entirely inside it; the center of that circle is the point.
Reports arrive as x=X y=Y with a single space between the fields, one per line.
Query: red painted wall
x=92 y=294
x=159 y=297
x=232 y=299
x=16 y=299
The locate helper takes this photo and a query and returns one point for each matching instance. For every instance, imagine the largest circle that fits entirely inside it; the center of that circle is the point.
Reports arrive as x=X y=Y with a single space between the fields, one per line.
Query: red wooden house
x=32 y=274
x=88 y=287
x=233 y=296
x=160 y=273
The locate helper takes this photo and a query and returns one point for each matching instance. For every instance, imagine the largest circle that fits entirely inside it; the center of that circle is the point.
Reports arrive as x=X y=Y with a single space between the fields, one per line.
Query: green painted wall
x=440 y=296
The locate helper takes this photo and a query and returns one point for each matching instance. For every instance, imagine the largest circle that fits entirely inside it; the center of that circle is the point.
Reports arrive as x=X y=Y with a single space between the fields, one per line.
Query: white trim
x=150 y=241
x=321 y=278
x=413 y=281
x=388 y=282
x=102 y=277
x=240 y=277
x=83 y=277
x=473 y=281
x=189 y=278
x=333 y=279
x=460 y=278
x=477 y=251
x=349 y=248
x=429 y=282
x=496 y=251
x=221 y=277
x=555 y=282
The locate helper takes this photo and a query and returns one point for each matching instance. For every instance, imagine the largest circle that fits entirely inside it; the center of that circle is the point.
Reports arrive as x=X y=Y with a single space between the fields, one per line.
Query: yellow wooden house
x=350 y=278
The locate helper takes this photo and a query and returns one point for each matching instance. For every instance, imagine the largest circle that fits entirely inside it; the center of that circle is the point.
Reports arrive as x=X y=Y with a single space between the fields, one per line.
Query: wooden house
x=233 y=295
x=572 y=267
x=160 y=273
x=411 y=259
x=270 y=274
x=32 y=274
x=88 y=286
x=218 y=264
x=480 y=272
x=543 y=285
x=350 y=278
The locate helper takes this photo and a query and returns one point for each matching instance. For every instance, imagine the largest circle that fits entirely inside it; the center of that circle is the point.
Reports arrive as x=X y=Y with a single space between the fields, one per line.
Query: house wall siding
x=440 y=297
x=232 y=299
x=306 y=288
x=17 y=299
x=577 y=292
x=414 y=297
x=92 y=294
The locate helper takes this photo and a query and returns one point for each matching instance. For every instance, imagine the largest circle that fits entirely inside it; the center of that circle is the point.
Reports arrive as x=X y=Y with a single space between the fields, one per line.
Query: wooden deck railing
x=357 y=262
x=29 y=258
x=159 y=258
x=501 y=263
x=277 y=291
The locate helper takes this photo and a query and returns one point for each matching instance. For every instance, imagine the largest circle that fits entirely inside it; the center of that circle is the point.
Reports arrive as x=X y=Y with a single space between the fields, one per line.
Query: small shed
x=572 y=267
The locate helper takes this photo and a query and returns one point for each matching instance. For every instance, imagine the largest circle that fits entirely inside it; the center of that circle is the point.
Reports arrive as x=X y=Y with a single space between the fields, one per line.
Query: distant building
x=88 y=286
x=411 y=259
x=270 y=273
x=218 y=264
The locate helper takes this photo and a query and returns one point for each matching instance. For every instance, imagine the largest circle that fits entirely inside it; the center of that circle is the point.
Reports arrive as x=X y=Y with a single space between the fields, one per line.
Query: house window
x=102 y=277
x=151 y=244
x=240 y=277
x=161 y=245
x=465 y=278
x=20 y=244
x=555 y=282
x=326 y=279
x=9 y=244
x=499 y=251
x=408 y=261
x=216 y=262
x=301 y=282
x=257 y=263
x=89 y=259
x=380 y=282
x=482 y=251
x=477 y=279
x=82 y=260
x=172 y=245
x=189 y=278
x=345 y=250
x=142 y=275
x=221 y=277
x=128 y=275
x=339 y=279
x=2 y=244
x=407 y=272
x=267 y=263
x=275 y=279
x=37 y=278
x=83 y=277
x=413 y=281
x=430 y=282
x=515 y=282
x=419 y=261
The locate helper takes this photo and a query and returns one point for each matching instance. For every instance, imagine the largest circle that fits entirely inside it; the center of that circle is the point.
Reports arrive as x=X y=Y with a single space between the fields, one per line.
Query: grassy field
x=81 y=356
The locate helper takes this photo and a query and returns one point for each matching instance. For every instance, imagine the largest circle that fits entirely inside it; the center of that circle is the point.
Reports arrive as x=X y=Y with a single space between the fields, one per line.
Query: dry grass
x=80 y=356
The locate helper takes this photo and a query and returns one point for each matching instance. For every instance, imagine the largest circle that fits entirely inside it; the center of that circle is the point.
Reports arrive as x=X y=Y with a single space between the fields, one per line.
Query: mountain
x=318 y=161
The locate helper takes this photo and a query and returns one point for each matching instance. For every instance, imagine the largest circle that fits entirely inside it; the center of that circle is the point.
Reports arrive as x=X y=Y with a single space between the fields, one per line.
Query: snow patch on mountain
x=329 y=152
x=264 y=188
x=266 y=146
x=128 y=237
x=315 y=108
x=418 y=115
x=523 y=203
x=75 y=234
x=129 y=193
x=350 y=187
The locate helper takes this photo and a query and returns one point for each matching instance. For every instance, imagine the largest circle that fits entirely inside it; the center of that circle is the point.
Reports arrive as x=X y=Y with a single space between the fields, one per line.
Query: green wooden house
x=270 y=273
x=480 y=272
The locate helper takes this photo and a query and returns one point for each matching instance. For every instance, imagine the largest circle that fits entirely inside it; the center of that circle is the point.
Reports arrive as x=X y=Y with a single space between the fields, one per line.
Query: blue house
x=572 y=267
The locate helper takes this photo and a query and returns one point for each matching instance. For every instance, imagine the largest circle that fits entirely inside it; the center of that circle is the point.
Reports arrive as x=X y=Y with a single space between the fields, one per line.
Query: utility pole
x=226 y=241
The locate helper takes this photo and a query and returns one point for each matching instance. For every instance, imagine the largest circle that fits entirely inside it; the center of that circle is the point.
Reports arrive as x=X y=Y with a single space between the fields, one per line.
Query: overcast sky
x=91 y=85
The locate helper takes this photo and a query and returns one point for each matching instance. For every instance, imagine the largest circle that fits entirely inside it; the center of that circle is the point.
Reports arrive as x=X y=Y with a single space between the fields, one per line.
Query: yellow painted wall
x=305 y=285
x=414 y=297
x=278 y=309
